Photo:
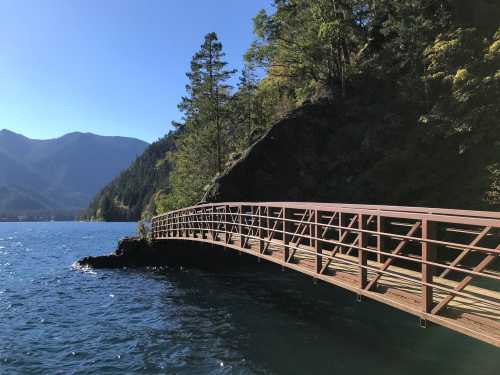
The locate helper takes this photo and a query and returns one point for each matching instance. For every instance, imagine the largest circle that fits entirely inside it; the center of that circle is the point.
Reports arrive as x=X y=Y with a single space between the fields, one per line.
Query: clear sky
x=110 y=67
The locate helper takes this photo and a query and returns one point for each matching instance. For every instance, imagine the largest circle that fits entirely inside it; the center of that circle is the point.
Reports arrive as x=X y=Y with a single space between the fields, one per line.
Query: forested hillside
x=134 y=190
x=392 y=102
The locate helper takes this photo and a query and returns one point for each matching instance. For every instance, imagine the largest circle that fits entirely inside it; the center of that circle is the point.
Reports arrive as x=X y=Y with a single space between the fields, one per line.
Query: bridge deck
x=473 y=308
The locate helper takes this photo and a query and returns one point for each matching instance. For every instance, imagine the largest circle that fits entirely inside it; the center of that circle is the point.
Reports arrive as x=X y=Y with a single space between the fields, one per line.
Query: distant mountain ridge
x=60 y=174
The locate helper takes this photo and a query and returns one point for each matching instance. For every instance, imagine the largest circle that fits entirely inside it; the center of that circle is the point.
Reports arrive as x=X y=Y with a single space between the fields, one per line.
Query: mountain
x=133 y=192
x=60 y=174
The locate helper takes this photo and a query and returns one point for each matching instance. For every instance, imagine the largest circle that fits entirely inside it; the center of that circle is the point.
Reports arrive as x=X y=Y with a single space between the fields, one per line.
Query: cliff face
x=359 y=152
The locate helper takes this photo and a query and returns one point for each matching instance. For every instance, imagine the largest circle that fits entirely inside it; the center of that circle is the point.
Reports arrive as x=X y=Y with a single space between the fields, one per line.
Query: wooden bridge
x=438 y=264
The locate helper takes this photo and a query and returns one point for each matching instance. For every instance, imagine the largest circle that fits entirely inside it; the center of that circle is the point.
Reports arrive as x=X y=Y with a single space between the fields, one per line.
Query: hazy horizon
x=70 y=133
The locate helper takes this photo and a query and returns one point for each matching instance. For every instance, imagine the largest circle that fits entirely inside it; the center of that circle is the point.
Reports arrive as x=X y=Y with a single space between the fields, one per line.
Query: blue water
x=56 y=319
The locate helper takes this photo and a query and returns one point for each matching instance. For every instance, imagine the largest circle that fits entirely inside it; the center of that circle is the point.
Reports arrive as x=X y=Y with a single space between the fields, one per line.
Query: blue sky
x=111 y=67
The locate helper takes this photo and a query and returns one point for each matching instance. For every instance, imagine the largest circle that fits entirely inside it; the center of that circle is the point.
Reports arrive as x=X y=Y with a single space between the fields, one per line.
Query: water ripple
x=59 y=318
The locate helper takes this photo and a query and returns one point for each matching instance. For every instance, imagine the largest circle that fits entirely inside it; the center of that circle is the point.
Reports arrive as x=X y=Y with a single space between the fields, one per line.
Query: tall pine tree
x=202 y=146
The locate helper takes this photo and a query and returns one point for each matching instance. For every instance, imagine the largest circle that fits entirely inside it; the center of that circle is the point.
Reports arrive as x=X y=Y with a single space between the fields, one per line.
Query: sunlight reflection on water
x=57 y=317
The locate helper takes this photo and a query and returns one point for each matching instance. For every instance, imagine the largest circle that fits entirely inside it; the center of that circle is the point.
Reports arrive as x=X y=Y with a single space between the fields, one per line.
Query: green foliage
x=462 y=69
x=208 y=96
x=142 y=230
x=416 y=53
x=310 y=44
x=131 y=195
x=492 y=195
x=425 y=71
x=204 y=145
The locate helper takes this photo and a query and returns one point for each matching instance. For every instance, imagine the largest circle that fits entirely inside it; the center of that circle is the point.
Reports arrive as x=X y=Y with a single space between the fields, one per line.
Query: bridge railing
x=443 y=256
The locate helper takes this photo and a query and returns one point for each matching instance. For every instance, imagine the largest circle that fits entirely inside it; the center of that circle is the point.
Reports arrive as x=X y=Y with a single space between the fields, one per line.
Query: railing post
x=212 y=224
x=251 y=229
x=429 y=231
x=381 y=240
x=164 y=229
x=217 y=224
x=318 y=244
x=268 y=223
x=260 y=231
x=191 y=223
x=201 y=223
x=192 y=227
x=226 y=232
x=286 y=235
x=341 y=220
x=311 y=229
x=182 y=224
x=171 y=225
x=179 y=223
x=167 y=224
x=240 y=225
x=362 y=254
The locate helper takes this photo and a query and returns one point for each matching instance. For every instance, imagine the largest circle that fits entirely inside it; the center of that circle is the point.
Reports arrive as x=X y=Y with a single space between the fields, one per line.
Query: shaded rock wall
x=364 y=151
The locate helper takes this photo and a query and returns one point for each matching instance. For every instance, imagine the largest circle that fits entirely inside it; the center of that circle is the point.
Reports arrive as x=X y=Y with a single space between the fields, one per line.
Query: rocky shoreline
x=131 y=252
x=134 y=252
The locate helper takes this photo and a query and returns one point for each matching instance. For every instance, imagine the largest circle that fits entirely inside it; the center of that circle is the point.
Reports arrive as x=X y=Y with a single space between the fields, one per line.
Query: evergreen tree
x=310 y=45
x=205 y=127
x=208 y=93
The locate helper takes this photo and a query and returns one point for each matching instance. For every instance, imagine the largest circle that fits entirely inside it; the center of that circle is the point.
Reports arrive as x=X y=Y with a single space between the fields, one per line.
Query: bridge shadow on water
x=282 y=322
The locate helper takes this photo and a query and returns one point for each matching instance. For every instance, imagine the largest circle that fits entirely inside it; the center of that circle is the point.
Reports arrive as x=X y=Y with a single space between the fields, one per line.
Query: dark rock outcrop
x=366 y=150
x=136 y=252
x=131 y=252
x=281 y=165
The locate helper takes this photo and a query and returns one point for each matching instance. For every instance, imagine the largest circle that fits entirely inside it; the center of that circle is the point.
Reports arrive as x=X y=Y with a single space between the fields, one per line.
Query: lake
x=253 y=319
